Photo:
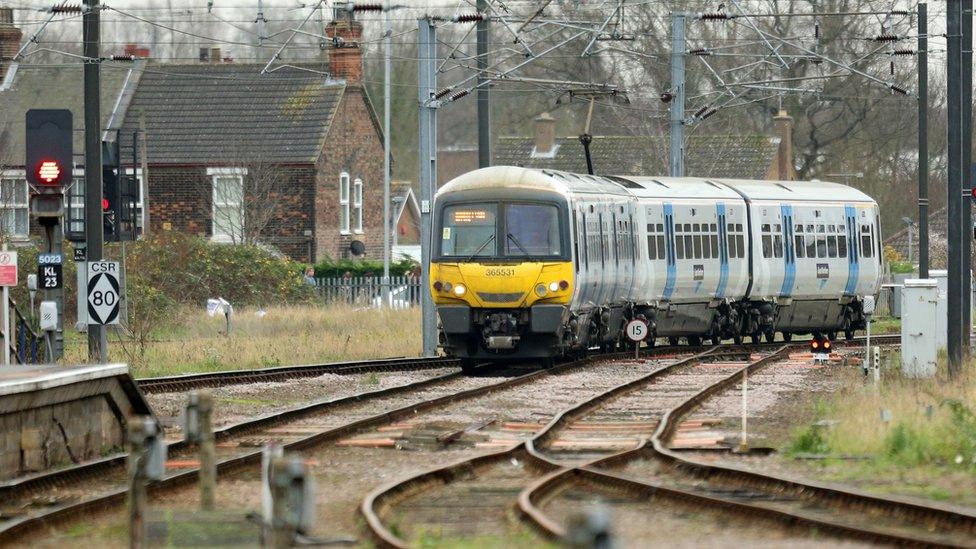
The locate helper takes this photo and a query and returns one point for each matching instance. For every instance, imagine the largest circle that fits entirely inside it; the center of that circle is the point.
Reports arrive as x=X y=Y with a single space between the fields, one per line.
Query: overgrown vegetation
x=918 y=429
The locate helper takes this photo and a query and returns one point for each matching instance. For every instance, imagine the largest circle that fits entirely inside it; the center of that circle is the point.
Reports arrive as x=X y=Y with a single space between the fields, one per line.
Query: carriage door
x=669 y=243
x=853 y=254
x=789 y=252
x=723 y=253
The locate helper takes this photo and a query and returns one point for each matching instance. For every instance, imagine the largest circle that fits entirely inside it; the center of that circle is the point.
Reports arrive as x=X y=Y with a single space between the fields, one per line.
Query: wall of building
x=181 y=199
x=354 y=145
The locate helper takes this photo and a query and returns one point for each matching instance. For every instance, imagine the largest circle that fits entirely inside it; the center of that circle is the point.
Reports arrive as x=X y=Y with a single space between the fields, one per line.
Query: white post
x=744 y=443
x=386 y=156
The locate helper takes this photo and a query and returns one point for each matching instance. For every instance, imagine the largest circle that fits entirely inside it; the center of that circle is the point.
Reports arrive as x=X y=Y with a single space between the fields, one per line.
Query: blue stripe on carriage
x=853 y=255
x=669 y=243
x=723 y=246
x=789 y=258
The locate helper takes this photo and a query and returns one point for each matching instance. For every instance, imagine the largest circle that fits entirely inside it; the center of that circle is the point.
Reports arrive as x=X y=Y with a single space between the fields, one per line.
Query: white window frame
x=344 y=210
x=357 y=204
x=18 y=176
x=139 y=202
x=225 y=236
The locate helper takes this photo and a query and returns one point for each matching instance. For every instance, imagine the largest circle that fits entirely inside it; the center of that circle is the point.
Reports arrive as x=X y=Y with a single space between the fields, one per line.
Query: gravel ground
x=236 y=403
x=663 y=522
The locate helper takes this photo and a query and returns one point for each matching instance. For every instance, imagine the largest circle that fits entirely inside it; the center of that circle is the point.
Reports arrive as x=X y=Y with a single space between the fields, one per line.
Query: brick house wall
x=181 y=199
x=354 y=144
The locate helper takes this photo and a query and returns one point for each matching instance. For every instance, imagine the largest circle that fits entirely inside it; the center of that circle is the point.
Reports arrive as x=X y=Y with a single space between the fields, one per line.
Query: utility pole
x=923 y=141
x=954 y=194
x=484 y=100
x=677 y=137
x=427 y=89
x=97 y=342
x=387 y=69
x=966 y=227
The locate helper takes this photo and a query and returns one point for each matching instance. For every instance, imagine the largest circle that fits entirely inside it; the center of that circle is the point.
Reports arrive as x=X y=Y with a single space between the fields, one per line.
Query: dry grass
x=918 y=436
x=285 y=335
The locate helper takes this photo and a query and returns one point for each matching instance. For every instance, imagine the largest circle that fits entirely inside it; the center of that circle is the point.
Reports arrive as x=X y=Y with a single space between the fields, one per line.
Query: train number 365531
x=499 y=272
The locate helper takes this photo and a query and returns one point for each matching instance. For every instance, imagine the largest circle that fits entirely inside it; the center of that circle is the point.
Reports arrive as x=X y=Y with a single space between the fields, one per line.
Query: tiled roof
x=199 y=113
x=726 y=156
x=34 y=87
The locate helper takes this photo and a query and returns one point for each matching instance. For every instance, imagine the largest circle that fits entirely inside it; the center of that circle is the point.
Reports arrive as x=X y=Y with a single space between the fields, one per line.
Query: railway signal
x=820 y=347
x=49 y=149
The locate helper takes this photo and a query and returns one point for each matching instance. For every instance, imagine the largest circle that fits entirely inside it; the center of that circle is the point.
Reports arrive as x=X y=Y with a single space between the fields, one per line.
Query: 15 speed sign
x=637 y=330
x=103 y=292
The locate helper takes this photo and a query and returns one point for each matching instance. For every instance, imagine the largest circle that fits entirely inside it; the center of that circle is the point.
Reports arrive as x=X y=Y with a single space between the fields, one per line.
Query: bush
x=177 y=268
x=328 y=268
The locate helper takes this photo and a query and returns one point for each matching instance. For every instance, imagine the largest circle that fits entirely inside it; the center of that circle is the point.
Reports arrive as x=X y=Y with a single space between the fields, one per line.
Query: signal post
x=48 y=165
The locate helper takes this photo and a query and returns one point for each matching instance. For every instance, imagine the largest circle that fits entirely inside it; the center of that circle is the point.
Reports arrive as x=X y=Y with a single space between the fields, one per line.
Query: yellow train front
x=501 y=270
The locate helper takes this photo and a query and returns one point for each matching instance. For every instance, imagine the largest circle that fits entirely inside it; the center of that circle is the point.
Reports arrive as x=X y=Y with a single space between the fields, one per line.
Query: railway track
x=489 y=483
x=187 y=382
x=67 y=494
x=171 y=384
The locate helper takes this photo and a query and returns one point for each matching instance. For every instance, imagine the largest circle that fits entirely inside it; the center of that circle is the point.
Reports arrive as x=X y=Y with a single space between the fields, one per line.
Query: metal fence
x=367 y=291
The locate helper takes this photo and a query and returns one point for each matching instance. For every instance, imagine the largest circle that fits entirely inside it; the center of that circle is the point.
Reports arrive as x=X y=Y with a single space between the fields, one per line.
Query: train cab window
x=531 y=230
x=798 y=244
x=867 y=245
x=469 y=230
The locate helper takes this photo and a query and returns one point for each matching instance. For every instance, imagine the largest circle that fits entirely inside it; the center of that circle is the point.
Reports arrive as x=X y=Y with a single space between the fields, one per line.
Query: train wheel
x=716 y=340
x=650 y=342
x=756 y=337
x=547 y=363
x=468 y=365
x=737 y=338
x=694 y=341
x=770 y=336
x=673 y=341
x=849 y=334
x=787 y=337
x=832 y=336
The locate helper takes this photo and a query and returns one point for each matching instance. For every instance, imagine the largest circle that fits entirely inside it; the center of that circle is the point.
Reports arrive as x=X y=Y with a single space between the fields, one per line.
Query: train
x=541 y=264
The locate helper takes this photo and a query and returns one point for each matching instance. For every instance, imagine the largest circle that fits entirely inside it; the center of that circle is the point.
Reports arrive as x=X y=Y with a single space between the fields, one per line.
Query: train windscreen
x=532 y=230
x=469 y=230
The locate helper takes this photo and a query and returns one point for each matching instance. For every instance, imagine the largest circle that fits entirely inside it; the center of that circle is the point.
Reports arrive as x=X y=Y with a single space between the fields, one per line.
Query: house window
x=13 y=208
x=344 y=203
x=228 y=204
x=357 y=205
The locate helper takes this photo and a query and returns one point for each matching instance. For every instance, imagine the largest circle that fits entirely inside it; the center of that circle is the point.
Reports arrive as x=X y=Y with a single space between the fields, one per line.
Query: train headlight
x=459 y=290
x=553 y=286
x=563 y=285
x=540 y=290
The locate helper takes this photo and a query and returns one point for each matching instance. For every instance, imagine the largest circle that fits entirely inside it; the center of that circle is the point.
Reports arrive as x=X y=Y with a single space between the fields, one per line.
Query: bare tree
x=248 y=197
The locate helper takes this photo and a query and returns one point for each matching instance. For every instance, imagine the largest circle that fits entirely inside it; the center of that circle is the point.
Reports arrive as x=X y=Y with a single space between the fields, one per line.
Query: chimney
x=545 y=135
x=136 y=50
x=9 y=39
x=345 y=55
x=784 y=157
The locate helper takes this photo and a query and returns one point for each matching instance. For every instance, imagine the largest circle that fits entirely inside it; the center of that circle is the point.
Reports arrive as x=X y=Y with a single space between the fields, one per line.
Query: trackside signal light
x=814 y=344
x=104 y=204
x=49 y=172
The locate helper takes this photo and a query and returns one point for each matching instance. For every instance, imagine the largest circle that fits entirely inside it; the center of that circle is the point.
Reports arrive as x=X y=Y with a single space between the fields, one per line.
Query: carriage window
x=821 y=242
x=698 y=246
x=469 y=230
x=798 y=244
x=679 y=242
x=866 y=244
x=714 y=241
x=655 y=241
x=842 y=242
x=831 y=245
x=778 y=245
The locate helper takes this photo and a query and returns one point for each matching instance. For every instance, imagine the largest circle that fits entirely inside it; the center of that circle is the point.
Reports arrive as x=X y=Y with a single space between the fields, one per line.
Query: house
x=719 y=156
x=405 y=214
x=291 y=158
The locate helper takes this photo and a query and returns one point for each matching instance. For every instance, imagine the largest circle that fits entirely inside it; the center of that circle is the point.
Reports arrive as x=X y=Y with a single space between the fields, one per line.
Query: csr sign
x=49 y=149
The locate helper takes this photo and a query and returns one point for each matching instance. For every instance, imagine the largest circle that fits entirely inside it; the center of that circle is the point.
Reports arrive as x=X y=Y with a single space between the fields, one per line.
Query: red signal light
x=49 y=172
x=104 y=204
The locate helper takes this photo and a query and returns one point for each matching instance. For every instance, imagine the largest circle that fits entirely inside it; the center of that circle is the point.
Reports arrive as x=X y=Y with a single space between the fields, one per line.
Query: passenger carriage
x=536 y=263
